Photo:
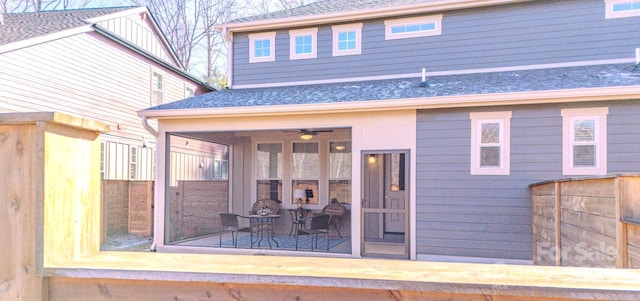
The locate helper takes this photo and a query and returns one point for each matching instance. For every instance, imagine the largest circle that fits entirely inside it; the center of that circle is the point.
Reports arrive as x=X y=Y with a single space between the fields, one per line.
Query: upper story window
x=413 y=27
x=584 y=141
x=262 y=47
x=490 y=143
x=622 y=8
x=157 y=88
x=347 y=39
x=303 y=43
x=189 y=92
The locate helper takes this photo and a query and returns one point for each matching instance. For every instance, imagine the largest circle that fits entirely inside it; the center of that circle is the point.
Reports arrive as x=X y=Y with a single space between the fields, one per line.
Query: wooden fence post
x=45 y=158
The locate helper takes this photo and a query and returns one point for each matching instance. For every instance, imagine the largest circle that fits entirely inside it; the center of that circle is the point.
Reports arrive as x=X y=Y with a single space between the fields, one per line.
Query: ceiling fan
x=306 y=134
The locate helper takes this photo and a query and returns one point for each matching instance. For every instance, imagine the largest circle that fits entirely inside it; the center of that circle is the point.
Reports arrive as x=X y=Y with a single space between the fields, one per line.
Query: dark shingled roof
x=21 y=26
x=331 y=6
x=597 y=76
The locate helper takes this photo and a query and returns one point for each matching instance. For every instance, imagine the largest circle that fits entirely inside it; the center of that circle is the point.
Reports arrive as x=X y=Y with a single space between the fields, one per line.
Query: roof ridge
x=329 y=6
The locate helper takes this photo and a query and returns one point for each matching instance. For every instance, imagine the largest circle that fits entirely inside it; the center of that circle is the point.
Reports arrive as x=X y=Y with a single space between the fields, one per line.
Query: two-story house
x=104 y=64
x=427 y=119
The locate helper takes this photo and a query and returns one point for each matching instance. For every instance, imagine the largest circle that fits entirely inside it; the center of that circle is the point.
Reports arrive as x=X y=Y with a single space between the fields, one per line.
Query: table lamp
x=299 y=194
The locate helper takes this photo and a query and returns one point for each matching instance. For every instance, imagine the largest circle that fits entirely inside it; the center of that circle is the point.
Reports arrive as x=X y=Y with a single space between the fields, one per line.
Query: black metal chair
x=229 y=223
x=319 y=225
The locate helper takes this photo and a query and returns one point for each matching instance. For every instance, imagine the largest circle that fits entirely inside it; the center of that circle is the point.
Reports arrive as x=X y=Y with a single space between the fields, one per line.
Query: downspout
x=229 y=38
x=154 y=133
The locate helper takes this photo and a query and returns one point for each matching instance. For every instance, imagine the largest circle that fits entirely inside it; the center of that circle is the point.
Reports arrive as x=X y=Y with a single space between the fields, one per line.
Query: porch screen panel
x=269 y=171
x=305 y=169
x=195 y=195
x=340 y=171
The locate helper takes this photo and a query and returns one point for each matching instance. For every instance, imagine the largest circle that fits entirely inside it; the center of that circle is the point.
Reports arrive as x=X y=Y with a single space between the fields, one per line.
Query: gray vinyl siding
x=538 y=32
x=490 y=216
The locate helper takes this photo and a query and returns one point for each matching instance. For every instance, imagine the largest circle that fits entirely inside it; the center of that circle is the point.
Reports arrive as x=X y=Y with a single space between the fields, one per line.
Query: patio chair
x=336 y=211
x=319 y=225
x=229 y=223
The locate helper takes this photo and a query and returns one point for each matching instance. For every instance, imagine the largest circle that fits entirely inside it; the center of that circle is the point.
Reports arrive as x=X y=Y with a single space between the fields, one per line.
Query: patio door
x=385 y=219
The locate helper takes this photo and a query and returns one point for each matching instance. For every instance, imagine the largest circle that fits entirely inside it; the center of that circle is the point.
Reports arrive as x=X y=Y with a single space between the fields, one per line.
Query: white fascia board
x=143 y=10
x=473 y=100
x=345 y=16
x=123 y=13
x=46 y=38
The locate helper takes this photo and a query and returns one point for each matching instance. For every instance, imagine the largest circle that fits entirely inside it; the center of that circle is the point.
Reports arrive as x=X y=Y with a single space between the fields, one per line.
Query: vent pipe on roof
x=1 y=19
x=424 y=83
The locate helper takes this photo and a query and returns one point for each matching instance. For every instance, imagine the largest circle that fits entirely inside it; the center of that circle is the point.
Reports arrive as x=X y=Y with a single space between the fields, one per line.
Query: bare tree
x=189 y=25
x=16 y=6
x=289 y=4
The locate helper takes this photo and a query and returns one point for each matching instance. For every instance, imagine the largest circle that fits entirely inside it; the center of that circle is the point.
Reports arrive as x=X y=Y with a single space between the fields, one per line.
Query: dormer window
x=622 y=8
x=347 y=39
x=413 y=27
x=262 y=47
x=303 y=43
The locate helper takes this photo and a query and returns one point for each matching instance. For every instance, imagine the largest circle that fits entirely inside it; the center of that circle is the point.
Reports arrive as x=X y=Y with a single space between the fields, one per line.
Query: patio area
x=282 y=242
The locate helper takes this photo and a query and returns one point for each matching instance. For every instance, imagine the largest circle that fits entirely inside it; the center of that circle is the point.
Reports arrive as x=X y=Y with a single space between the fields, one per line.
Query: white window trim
x=186 y=91
x=357 y=27
x=313 y=32
x=610 y=14
x=271 y=36
x=504 y=118
x=153 y=88
x=600 y=116
x=436 y=19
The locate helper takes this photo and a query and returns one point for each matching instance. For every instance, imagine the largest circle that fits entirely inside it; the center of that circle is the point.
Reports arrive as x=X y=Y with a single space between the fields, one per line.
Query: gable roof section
x=334 y=11
x=23 y=26
x=25 y=29
x=541 y=85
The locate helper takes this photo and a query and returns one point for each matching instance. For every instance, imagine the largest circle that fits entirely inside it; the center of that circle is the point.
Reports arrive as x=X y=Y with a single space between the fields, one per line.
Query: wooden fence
x=591 y=222
x=127 y=208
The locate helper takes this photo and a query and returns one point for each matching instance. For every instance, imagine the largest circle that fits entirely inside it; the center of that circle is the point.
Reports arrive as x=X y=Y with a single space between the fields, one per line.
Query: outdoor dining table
x=298 y=219
x=263 y=225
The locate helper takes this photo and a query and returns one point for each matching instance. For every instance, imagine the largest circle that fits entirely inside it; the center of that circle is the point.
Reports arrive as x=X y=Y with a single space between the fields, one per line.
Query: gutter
x=108 y=34
x=348 y=16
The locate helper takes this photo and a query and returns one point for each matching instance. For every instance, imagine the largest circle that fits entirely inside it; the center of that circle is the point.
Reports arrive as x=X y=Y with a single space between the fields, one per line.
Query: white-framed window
x=305 y=170
x=189 y=92
x=269 y=170
x=133 y=163
x=347 y=39
x=584 y=141
x=262 y=47
x=157 y=88
x=220 y=169
x=622 y=8
x=490 y=143
x=303 y=43
x=413 y=27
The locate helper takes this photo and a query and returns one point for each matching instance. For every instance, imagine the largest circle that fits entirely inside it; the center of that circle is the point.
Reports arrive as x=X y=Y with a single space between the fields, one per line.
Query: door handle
x=363 y=201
